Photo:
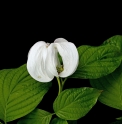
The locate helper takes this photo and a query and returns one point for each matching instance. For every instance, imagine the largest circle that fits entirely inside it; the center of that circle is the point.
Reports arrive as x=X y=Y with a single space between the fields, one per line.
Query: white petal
x=70 y=57
x=60 y=40
x=36 y=65
x=52 y=59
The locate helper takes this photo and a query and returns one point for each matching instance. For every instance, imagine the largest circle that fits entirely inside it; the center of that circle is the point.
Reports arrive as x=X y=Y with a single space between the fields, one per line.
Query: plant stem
x=63 y=82
x=59 y=85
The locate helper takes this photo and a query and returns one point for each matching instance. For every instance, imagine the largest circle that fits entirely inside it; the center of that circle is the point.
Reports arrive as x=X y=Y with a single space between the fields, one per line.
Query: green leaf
x=112 y=88
x=58 y=121
x=116 y=40
x=95 y=62
x=19 y=93
x=119 y=118
x=72 y=104
x=37 y=116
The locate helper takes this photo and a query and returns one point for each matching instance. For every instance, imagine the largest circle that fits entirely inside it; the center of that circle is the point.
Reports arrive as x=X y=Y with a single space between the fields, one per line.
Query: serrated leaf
x=112 y=88
x=95 y=62
x=19 y=93
x=38 y=116
x=58 y=121
x=72 y=104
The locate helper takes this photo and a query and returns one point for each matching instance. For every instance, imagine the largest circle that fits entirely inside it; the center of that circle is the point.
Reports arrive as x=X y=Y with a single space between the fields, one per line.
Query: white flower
x=43 y=60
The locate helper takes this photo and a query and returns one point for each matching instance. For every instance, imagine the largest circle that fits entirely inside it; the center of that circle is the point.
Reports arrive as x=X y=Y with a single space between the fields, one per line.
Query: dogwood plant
x=23 y=88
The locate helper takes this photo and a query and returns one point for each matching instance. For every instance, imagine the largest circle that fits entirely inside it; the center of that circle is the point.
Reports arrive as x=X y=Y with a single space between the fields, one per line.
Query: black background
x=20 y=29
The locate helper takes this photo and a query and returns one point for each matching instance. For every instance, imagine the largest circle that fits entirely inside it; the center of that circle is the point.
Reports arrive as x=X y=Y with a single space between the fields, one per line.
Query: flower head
x=43 y=60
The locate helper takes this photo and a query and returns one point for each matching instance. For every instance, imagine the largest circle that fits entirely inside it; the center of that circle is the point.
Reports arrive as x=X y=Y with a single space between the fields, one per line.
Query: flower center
x=59 y=68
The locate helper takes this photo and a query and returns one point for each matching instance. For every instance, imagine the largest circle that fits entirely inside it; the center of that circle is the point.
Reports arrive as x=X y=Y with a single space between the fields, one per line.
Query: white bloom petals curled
x=36 y=62
x=43 y=61
x=52 y=60
x=69 y=54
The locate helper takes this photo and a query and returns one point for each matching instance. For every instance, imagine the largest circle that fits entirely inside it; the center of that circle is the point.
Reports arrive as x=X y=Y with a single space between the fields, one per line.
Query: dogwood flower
x=43 y=60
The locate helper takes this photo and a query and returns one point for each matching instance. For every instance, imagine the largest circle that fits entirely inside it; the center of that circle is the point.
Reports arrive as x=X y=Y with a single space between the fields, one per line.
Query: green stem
x=63 y=82
x=59 y=85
